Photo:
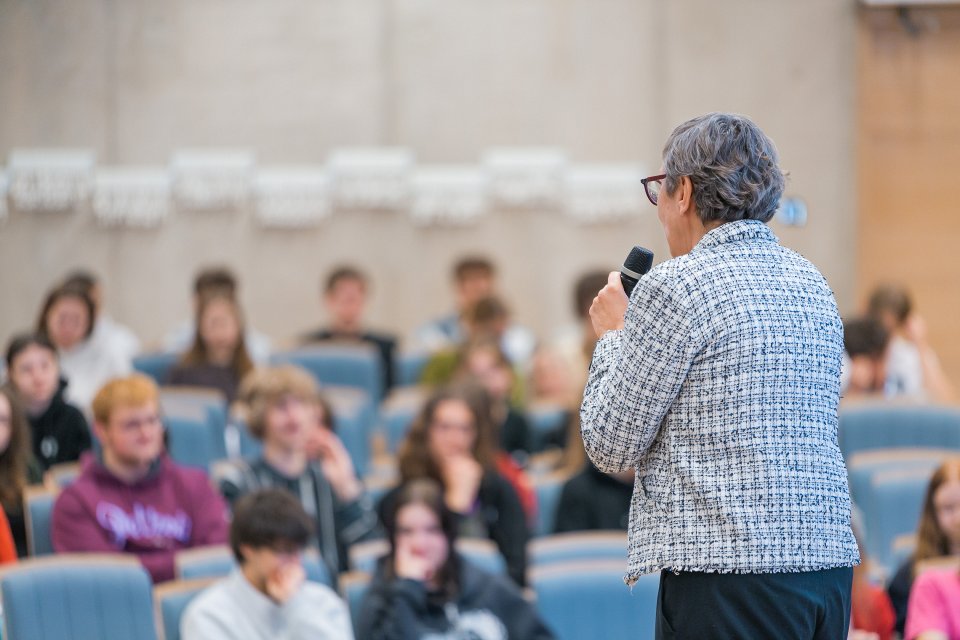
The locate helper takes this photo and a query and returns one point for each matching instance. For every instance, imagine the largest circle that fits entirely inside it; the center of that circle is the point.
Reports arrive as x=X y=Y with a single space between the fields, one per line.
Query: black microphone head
x=639 y=261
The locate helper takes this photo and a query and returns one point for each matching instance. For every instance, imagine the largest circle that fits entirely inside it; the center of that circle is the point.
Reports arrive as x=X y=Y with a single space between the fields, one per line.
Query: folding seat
x=578 y=545
x=340 y=364
x=156 y=365
x=217 y=561
x=870 y=426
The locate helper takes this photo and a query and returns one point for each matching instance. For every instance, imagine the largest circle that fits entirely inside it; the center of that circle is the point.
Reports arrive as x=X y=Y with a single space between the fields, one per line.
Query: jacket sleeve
x=509 y=526
x=636 y=375
x=392 y=610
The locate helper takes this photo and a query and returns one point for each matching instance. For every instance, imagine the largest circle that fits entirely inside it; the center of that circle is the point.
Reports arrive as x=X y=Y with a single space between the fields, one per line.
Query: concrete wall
x=604 y=79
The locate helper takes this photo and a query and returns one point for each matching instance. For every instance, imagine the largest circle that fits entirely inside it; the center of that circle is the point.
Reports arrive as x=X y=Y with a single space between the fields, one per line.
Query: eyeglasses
x=651 y=185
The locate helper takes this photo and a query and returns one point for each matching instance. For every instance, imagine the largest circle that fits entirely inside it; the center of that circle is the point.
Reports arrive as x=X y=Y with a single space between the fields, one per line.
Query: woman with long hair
x=450 y=443
x=424 y=589
x=938 y=534
x=17 y=468
x=218 y=358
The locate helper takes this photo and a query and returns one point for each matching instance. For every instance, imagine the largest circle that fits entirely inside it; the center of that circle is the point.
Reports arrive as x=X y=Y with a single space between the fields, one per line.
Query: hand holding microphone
x=610 y=305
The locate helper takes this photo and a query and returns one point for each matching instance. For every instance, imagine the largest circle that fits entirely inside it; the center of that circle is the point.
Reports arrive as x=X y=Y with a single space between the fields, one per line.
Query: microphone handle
x=628 y=283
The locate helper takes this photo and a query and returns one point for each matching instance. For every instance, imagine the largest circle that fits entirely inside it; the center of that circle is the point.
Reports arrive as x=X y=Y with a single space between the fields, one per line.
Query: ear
x=99 y=430
x=685 y=194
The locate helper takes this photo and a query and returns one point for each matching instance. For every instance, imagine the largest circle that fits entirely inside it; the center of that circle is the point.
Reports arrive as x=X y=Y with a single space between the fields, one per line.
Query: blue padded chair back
x=194 y=442
x=478 y=551
x=589 y=600
x=173 y=598
x=354 y=415
x=548 y=490
x=397 y=413
x=78 y=597
x=408 y=367
x=863 y=466
x=156 y=365
x=39 y=511
x=344 y=365
x=579 y=545
x=892 y=509
x=886 y=426
x=354 y=585
x=218 y=561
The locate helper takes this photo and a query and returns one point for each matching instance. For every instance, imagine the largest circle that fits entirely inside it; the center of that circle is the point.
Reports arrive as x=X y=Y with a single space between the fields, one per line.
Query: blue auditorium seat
x=172 y=599
x=78 y=597
x=578 y=545
x=548 y=489
x=156 y=365
x=217 y=561
x=891 y=509
x=38 y=510
x=872 y=426
x=588 y=599
x=344 y=365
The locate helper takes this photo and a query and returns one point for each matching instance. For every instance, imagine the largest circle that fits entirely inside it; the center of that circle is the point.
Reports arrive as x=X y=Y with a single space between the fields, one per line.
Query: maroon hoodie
x=172 y=508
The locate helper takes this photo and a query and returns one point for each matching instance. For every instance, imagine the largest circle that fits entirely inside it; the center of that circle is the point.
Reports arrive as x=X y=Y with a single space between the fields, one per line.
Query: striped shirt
x=721 y=391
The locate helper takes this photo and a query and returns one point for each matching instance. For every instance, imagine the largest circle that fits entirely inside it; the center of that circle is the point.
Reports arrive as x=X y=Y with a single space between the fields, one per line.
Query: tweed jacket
x=721 y=391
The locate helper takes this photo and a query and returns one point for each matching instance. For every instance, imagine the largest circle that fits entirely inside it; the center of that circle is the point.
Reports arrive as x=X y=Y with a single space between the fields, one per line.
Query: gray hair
x=731 y=163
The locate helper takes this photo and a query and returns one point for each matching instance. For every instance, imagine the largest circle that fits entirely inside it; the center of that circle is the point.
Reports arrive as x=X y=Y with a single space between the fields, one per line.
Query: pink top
x=934 y=604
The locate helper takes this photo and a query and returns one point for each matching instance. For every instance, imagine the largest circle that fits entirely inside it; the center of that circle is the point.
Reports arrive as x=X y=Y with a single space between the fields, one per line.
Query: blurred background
x=861 y=101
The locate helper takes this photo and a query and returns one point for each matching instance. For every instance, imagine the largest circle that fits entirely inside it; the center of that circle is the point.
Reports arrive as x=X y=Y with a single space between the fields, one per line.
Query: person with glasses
x=718 y=380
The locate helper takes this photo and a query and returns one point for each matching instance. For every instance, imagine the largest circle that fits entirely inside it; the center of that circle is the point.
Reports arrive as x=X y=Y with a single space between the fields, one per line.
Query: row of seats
x=576 y=581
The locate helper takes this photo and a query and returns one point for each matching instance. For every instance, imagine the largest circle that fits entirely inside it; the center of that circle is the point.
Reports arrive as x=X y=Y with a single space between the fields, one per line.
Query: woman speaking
x=718 y=380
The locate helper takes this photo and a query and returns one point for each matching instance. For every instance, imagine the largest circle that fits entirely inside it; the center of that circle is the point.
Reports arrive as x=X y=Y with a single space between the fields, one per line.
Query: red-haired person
x=133 y=498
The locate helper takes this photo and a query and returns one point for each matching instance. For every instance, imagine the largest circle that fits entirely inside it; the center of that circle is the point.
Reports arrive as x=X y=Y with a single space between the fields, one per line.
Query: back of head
x=890 y=300
x=864 y=337
x=264 y=387
x=732 y=164
x=135 y=390
x=272 y=519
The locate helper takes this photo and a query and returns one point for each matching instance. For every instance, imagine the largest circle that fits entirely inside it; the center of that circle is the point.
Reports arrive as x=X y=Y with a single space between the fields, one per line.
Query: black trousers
x=786 y=606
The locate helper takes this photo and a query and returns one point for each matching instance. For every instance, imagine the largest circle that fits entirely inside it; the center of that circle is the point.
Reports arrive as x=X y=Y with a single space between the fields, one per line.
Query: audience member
x=424 y=589
x=913 y=368
x=474 y=278
x=17 y=467
x=59 y=432
x=66 y=320
x=209 y=281
x=282 y=413
x=934 y=612
x=594 y=500
x=864 y=370
x=938 y=534
x=133 y=498
x=450 y=443
x=8 y=550
x=106 y=331
x=267 y=596
x=345 y=298
x=218 y=358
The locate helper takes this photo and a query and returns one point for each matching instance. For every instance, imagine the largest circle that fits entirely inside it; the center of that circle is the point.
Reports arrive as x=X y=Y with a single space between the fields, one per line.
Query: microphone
x=637 y=263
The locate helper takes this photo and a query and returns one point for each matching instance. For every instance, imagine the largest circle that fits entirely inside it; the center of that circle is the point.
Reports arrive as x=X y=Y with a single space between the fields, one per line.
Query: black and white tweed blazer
x=722 y=392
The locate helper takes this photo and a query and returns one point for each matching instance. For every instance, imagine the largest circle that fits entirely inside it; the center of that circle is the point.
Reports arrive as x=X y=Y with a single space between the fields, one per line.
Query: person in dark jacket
x=423 y=589
x=594 y=500
x=58 y=429
x=450 y=443
x=345 y=298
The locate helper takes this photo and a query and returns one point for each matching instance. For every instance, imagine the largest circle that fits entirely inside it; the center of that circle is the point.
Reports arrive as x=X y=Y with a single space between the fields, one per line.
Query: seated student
x=424 y=589
x=8 y=550
x=66 y=320
x=106 y=330
x=594 y=500
x=218 y=358
x=934 y=612
x=938 y=534
x=871 y=612
x=134 y=499
x=864 y=370
x=474 y=278
x=281 y=405
x=345 y=297
x=17 y=467
x=58 y=430
x=450 y=443
x=267 y=596
x=209 y=281
x=913 y=368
